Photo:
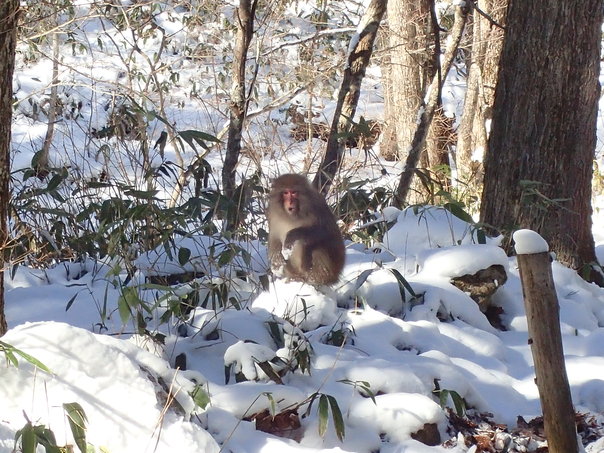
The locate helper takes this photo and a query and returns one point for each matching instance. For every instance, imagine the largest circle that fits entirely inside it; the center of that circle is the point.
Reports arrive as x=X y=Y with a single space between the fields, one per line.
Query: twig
x=493 y=22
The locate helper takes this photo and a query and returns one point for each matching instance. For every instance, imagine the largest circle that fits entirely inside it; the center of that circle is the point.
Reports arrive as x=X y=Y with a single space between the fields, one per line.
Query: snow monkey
x=304 y=241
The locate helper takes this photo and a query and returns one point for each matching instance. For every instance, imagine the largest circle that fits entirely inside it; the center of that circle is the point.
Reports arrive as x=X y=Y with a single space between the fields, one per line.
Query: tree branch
x=360 y=50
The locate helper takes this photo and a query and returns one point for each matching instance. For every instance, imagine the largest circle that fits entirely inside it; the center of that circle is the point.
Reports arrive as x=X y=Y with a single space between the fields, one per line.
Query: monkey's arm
x=304 y=240
x=274 y=253
x=281 y=266
x=308 y=235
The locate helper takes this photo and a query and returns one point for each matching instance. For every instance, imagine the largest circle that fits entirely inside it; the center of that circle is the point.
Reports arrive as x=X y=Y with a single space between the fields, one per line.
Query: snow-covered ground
x=380 y=342
x=381 y=371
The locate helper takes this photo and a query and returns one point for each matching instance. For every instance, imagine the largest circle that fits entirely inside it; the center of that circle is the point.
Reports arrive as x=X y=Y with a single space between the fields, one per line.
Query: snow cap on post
x=528 y=242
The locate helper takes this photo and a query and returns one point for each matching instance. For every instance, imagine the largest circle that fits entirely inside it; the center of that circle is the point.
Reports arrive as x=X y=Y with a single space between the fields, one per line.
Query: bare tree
x=428 y=110
x=483 y=64
x=408 y=72
x=239 y=98
x=538 y=168
x=361 y=48
x=413 y=61
x=8 y=37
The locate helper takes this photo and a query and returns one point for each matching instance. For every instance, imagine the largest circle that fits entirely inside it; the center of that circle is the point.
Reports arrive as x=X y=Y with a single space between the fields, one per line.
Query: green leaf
x=459 y=403
x=77 y=423
x=275 y=332
x=10 y=350
x=183 y=255
x=141 y=194
x=226 y=257
x=313 y=397
x=200 y=396
x=192 y=136
x=128 y=298
x=227 y=373
x=35 y=160
x=47 y=439
x=457 y=211
x=402 y=281
x=98 y=184
x=303 y=358
x=481 y=236
x=366 y=387
x=338 y=420
x=28 y=174
x=10 y=357
x=323 y=415
x=29 y=441
x=156 y=286
x=54 y=182
x=273 y=404
x=70 y=303
x=443 y=396
x=270 y=372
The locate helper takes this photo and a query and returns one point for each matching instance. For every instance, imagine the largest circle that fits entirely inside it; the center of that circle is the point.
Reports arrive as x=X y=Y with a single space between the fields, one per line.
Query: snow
x=529 y=242
x=109 y=377
x=435 y=227
x=397 y=350
x=455 y=261
x=378 y=342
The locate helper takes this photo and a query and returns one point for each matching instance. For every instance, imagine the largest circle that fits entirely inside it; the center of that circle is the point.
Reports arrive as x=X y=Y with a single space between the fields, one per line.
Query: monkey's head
x=290 y=192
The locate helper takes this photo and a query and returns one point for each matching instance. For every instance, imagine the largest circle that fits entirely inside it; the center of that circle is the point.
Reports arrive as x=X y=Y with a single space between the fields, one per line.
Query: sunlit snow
x=398 y=349
x=379 y=341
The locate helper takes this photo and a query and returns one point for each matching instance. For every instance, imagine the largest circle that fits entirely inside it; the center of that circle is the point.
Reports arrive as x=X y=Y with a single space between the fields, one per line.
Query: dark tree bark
x=350 y=90
x=239 y=99
x=538 y=168
x=8 y=37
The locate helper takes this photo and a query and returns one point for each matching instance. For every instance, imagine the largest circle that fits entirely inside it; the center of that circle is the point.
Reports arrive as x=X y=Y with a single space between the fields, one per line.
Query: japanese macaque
x=304 y=241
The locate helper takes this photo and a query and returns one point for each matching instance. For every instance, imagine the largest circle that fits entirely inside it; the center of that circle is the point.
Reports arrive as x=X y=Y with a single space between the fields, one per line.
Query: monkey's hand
x=288 y=245
x=286 y=252
x=277 y=262
x=298 y=237
x=279 y=270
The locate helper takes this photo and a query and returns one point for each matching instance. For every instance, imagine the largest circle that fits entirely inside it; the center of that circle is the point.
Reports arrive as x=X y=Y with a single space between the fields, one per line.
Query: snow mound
x=116 y=383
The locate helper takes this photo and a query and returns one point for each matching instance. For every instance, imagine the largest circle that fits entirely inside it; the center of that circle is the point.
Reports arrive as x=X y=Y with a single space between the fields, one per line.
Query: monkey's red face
x=290 y=201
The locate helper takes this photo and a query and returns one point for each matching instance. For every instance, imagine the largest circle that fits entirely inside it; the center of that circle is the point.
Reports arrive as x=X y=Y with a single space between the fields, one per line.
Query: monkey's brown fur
x=308 y=228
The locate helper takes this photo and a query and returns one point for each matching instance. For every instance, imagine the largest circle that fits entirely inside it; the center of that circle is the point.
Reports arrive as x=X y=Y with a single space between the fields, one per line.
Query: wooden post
x=543 y=318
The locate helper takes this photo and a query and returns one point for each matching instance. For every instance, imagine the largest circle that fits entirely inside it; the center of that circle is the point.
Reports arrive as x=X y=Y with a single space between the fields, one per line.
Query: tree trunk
x=239 y=101
x=545 y=338
x=483 y=64
x=388 y=135
x=436 y=157
x=438 y=146
x=42 y=161
x=361 y=47
x=413 y=64
x=420 y=131
x=409 y=71
x=8 y=37
x=538 y=169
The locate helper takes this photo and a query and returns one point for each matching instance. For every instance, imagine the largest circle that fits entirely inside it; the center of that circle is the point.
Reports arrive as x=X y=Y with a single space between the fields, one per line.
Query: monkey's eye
x=290 y=195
